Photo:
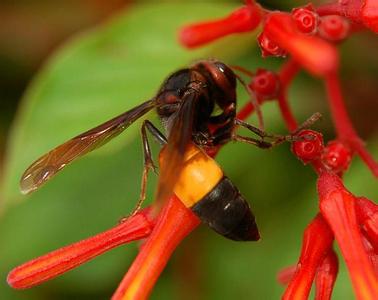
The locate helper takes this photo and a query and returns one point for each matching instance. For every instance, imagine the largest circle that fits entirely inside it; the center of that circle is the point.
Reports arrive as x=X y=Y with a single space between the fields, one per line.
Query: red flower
x=338 y=206
x=351 y=220
x=163 y=234
x=244 y=19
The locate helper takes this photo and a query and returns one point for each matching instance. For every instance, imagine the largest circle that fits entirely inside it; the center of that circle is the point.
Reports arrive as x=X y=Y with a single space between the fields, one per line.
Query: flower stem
x=343 y=124
x=174 y=223
x=287 y=74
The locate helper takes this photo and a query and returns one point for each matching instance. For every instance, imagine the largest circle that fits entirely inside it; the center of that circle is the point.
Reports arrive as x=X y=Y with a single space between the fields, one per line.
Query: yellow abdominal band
x=199 y=175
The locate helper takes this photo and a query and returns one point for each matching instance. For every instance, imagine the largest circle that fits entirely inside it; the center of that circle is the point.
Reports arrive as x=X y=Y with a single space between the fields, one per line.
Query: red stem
x=343 y=125
x=246 y=111
x=330 y=9
x=287 y=74
x=351 y=10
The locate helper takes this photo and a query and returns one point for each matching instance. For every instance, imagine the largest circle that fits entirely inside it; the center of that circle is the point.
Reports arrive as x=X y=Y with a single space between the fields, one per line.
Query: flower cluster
x=308 y=36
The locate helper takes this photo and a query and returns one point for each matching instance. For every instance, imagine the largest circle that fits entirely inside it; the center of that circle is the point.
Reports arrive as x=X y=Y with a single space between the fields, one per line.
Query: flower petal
x=337 y=205
x=367 y=215
x=326 y=276
x=317 y=241
x=59 y=261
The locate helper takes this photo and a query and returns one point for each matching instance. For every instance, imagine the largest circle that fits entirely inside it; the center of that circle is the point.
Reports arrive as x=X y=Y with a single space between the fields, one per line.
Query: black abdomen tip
x=228 y=213
x=246 y=229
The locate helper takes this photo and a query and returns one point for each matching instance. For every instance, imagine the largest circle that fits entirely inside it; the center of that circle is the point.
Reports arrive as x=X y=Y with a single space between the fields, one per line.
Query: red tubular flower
x=244 y=19
x=317 y=241
x=338 y=206
x=57 y=262
x=173 y=224
x=326 y=276
x=313 y=53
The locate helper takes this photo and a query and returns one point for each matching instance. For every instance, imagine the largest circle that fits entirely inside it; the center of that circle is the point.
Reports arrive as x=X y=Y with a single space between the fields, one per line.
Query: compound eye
x=228 y=73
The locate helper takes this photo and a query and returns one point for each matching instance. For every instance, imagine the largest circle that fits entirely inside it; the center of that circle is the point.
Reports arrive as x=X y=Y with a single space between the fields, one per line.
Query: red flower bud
x=244 y=19
x=333 y=28
x=265 y=84
x=306 y=19
x=310 y=147
x=268 y=47
x=336 y=156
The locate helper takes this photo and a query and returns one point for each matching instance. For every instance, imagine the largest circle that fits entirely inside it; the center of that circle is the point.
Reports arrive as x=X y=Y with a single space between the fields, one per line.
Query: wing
x=179 y=137
x=52 y=162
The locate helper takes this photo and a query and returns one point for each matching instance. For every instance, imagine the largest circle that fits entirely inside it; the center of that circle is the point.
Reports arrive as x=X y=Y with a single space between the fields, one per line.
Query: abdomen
x=204 y=189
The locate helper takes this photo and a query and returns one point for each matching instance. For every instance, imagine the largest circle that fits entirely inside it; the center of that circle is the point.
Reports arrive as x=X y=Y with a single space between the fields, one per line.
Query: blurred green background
x=68 y=66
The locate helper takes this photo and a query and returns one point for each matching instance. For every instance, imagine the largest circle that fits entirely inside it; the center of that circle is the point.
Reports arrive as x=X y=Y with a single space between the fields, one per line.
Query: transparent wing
x=178 y=139
x=52 y=162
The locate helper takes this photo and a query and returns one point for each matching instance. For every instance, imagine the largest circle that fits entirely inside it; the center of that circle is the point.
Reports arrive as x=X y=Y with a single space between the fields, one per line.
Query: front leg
x=148 y=161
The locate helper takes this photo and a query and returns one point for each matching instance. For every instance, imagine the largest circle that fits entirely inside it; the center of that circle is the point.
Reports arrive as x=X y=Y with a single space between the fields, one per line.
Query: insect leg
x=148 y=162
x=255 y=130
x=259 y=143
x=308 y=123
x=276 y=139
